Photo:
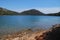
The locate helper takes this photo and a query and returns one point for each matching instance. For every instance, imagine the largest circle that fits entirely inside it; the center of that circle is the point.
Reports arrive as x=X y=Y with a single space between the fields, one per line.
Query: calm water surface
x=15 y=23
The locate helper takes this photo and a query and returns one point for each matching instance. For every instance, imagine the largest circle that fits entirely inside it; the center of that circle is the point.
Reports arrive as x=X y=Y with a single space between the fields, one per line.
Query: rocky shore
x=51 y=34
x=34 y=35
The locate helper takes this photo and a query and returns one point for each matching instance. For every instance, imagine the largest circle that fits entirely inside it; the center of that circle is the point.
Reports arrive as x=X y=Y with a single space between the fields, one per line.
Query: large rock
x=53 y=34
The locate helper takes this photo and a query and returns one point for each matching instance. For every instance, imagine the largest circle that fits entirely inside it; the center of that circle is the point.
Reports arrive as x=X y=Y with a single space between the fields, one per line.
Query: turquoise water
x=16 y=23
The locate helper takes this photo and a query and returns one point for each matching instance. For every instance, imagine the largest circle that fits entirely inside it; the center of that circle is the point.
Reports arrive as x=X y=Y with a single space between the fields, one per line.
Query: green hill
x=4 y=11
x=31 y=12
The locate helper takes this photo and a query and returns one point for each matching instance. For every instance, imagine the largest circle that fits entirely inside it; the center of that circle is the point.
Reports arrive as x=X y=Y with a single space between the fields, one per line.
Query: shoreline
x=27 y=15
x=27 y=34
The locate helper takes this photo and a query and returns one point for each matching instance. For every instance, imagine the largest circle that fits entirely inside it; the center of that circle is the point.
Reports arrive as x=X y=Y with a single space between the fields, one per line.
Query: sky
x=45 y=6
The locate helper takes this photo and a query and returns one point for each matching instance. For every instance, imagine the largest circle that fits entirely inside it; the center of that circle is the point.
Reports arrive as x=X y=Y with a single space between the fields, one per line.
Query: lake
x=16 y=23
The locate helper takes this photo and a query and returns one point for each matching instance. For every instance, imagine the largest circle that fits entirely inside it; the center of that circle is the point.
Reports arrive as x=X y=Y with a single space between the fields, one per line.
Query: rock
x=53 y=34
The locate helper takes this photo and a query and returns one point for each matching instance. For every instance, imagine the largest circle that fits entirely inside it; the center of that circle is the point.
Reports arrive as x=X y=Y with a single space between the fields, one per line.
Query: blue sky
x=45 y=6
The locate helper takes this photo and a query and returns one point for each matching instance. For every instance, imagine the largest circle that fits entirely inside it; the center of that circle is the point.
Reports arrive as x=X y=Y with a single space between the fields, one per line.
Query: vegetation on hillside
x=4 y=11
x=31 y=12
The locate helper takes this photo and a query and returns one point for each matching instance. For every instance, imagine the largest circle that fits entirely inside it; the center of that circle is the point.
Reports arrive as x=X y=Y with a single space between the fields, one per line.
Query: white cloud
x=44 y=10
x=49 y=10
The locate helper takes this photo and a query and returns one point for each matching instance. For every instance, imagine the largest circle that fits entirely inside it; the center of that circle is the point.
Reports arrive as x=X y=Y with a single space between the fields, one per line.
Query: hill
x=54 y=14
x=31 y=12
x=4 y=11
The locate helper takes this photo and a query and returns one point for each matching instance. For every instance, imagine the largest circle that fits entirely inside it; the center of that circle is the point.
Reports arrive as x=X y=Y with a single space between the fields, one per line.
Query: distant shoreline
x=27 y=15
x=33 y=12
